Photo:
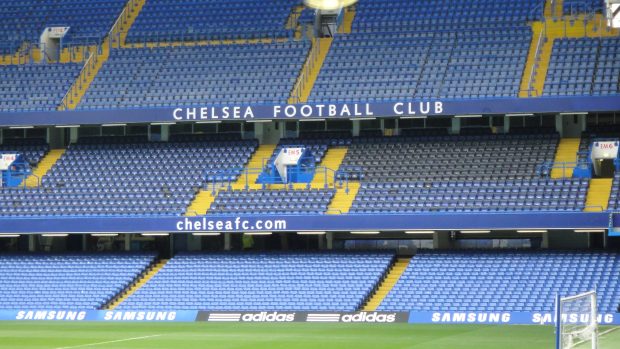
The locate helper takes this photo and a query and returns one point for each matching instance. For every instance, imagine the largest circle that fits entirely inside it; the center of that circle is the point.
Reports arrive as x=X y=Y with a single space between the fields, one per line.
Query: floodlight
x=329 y=4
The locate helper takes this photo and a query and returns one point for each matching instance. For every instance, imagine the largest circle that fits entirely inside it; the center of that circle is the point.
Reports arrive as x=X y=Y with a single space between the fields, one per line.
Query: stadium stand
x=126 y=176
x=573 y=7
x=469 y=55
x=178 y=76
x=24 y=21
x=614 y=197
x=583 y=67
x=503 y=281
x=459 y=173
x=212 y=19
x=33 y=149
x=262 y=282
x=272 y=202
x=75 y=282
x=35 y=87
x=442 y=158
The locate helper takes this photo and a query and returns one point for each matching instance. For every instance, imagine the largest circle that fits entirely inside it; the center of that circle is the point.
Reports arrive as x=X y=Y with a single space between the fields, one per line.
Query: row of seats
x=490 y=281
x=73 y=282
x=210 y=19
x=24 y=20
x=585 y=66
x=262 y=282
x=272 y=202
x=125 y=176
x=240 y=73
x=35 y=87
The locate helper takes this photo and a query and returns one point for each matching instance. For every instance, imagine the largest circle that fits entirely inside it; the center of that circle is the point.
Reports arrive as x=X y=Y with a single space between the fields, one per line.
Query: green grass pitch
x=56 y=335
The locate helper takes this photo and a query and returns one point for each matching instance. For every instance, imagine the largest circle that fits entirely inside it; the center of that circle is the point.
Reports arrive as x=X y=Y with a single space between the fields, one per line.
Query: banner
x=99 y=315
x=287 y=316
x=370 y=317
x=505 y=318
x=327 y=111
x=296 y=223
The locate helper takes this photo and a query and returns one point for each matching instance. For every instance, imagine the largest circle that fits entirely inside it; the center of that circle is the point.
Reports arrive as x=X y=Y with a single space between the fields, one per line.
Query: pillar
x=329 y=236
x=441 y=240
x=165 y=133
x=356 y=128
x=32 y=244
x=127 y=242
x=226 y=241
x=456 y=126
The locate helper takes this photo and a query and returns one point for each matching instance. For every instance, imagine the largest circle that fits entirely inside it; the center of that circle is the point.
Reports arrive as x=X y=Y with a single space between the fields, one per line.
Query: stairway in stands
x=43 y=167
x=132 y=9
x=556 y=26
x=264 y=151
x=201 y=203
x=310 y=70
x=332 y=160
x=344 y=197
x=98 y=58
x=598 y=194
x=391 y=278
x=140 y=281
x=347 y=20
x=566 y=152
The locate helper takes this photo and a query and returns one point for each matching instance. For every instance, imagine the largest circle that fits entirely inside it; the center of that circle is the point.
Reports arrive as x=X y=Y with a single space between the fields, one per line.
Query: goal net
x=576 y=321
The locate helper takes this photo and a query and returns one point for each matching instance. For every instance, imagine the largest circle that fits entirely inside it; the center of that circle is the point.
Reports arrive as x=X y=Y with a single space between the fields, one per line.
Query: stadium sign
x=295 y=223
x=98 y=315
x=353 y=110
x=337 y=317
x=505 y=318
x=294 y=111
x=374 y=317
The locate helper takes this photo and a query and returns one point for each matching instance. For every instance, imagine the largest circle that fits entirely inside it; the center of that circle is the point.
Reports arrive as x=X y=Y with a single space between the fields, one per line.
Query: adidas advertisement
x=357 y=317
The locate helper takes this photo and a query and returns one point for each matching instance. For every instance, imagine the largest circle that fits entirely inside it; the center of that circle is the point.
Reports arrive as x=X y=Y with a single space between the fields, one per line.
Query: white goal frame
x=568 y=339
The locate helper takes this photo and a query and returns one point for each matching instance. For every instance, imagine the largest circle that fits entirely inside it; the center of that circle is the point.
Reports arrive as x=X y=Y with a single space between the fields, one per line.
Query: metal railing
x=539 y=44
x=546 y=167
x=137 y=38
x=304 y=75
x=87 y=70
x=217 y=180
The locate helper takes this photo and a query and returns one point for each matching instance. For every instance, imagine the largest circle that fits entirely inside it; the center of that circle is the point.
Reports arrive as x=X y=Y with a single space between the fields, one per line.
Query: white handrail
x=87 y=65
x=536 y=57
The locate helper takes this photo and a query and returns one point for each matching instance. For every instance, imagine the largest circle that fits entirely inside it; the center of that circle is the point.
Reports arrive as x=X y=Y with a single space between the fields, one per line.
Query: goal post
x=576 y=321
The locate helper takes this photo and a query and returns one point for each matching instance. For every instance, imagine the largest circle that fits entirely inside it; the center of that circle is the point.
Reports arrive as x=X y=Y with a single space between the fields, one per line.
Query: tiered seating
x=35 y=87
x=211 y=19
x=607 y=75
x=470 y=11
x=583 y=67
x=614 y=196
x=472 y=158
x=503 y=281
x=274 y=281
x=272 y=202
x=224 y=74
x=75 y=282
x=33 y=149
x=14 y=19
x=441 y=49
x=571 y=67
x=458 y=174
x=573 y=7
x=530 y=195
x=24 y=20
x=307 y=16
x=124 y=176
